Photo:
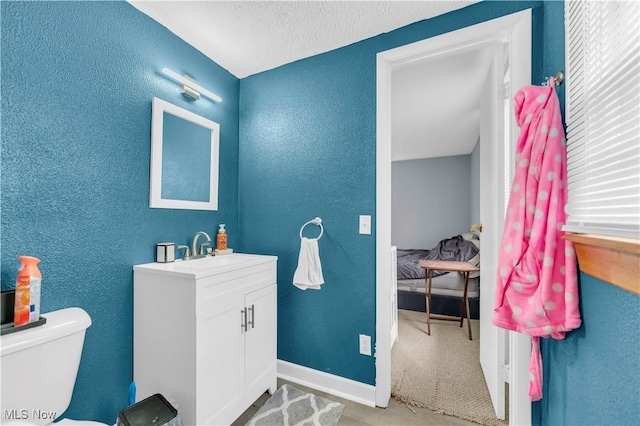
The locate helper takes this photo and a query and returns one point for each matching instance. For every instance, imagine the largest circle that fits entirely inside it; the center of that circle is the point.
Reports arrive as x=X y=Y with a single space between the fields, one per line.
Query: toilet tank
x=39 y=368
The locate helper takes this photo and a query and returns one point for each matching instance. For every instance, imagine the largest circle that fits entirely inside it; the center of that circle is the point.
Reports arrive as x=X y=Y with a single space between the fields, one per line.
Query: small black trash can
x=152 y=411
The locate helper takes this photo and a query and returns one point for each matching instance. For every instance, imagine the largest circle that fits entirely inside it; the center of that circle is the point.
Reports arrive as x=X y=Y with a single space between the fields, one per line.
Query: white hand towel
x=309 y=271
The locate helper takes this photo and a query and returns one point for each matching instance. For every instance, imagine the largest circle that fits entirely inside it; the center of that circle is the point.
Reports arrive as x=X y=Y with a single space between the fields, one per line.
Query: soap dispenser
x=221 y=239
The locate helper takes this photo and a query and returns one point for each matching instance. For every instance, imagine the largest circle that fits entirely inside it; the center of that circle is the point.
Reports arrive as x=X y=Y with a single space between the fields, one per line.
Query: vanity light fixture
x=190 y=88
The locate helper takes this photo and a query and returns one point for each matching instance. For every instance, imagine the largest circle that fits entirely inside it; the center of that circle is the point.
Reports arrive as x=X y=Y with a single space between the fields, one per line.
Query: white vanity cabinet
x=205 y=334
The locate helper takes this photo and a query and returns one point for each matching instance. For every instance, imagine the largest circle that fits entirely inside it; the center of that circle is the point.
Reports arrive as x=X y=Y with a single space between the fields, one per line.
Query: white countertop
x=206 y=266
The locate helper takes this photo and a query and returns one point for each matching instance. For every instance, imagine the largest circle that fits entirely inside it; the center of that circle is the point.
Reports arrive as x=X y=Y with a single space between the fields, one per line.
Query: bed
x=447 y=287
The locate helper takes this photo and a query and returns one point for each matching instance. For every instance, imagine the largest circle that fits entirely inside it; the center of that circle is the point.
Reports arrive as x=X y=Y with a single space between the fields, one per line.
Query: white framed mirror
x=184 y=159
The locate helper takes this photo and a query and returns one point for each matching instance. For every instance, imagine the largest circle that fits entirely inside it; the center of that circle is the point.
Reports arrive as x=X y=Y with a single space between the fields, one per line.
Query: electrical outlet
x=365 y=344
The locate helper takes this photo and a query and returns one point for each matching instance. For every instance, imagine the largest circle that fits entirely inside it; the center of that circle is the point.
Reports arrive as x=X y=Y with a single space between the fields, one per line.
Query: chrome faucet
x=194 y=245
x=187 y=252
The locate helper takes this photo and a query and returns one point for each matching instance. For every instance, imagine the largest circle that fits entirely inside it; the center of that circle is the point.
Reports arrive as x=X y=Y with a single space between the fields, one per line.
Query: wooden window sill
x=611 y=259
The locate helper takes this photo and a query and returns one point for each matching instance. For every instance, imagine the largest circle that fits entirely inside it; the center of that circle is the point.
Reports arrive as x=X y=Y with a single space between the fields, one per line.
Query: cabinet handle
x=252 y=321
x=243 y=325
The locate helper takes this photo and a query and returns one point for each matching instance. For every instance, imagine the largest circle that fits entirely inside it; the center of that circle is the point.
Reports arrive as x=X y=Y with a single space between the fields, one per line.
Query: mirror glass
x=184 y=159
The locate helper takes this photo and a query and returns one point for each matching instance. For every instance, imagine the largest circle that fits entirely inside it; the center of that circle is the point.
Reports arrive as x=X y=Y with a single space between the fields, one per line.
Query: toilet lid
x=70 y=422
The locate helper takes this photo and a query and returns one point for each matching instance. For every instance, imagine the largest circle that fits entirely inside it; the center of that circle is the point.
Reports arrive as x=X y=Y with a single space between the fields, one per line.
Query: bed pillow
x=469 y=236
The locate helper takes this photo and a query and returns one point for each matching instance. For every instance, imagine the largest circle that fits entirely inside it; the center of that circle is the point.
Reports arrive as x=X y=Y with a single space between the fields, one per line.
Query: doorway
x=514 y=32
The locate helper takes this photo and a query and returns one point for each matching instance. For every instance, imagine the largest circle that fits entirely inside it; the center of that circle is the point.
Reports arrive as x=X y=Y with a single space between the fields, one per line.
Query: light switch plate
x=365 y=224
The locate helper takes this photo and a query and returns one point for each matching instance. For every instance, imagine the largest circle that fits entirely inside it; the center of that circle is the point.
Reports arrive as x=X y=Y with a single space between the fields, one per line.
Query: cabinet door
x=220 y=361
x=260 y=342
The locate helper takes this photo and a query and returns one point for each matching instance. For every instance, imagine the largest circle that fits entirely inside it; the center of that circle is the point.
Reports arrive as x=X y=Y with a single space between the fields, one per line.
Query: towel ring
x=317 y=221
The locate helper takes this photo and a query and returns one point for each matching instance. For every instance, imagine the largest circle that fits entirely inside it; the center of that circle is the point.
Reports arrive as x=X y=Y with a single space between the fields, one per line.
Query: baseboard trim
x=325 y=382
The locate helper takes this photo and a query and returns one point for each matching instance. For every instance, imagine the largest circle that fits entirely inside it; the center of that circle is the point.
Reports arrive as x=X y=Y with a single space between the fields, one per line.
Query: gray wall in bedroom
x=475 y=183
x=431 y=200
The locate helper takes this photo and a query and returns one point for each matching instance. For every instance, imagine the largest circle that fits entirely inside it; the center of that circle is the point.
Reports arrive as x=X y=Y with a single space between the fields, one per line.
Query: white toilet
x=39 y=369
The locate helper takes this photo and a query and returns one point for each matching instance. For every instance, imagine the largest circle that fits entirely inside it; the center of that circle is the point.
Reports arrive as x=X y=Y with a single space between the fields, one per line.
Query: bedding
x=447 y=287
x=456 y=248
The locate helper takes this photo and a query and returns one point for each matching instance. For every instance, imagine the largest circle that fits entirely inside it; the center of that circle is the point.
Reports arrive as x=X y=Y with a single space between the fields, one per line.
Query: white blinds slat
x=602 y=112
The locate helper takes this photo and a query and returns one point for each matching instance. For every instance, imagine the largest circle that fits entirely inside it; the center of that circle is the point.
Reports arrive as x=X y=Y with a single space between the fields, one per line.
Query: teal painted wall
x=307 y=149
x=592 y=377
x=77 y=83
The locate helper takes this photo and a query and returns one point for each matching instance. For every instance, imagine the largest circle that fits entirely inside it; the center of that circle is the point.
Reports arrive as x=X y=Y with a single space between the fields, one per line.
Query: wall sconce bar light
x=190 y=88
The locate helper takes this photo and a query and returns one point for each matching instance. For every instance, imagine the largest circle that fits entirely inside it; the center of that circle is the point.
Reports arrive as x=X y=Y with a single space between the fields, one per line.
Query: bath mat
x=290 y=406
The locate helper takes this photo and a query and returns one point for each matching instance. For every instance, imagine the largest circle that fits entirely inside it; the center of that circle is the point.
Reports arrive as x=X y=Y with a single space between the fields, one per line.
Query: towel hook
x=318 y=222
x=559 y=78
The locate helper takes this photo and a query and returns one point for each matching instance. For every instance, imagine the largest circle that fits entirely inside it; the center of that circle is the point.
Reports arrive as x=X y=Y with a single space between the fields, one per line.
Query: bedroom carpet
x=441 y=372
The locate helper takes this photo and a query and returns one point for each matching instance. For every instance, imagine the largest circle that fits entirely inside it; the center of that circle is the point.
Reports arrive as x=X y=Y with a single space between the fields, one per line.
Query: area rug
x=289 y=406
x=442 y=371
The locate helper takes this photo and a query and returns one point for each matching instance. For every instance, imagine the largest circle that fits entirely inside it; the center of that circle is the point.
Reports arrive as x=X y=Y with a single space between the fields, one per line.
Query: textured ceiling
x=435 y=103
x=247 y=37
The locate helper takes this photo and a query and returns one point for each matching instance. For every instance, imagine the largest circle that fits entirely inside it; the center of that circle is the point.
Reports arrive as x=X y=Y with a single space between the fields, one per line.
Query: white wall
x=431 y=200
x=475 y=183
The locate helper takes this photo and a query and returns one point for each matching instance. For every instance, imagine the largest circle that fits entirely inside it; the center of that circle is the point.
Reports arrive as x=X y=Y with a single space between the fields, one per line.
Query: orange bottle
x=28 y=282
x=221 y=239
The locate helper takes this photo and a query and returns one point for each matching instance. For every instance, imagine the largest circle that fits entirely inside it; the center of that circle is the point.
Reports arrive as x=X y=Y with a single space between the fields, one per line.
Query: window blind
x=603 y=117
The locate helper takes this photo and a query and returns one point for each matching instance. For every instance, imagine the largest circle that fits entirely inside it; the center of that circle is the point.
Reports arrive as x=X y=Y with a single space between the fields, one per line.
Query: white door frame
x=514 y=30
